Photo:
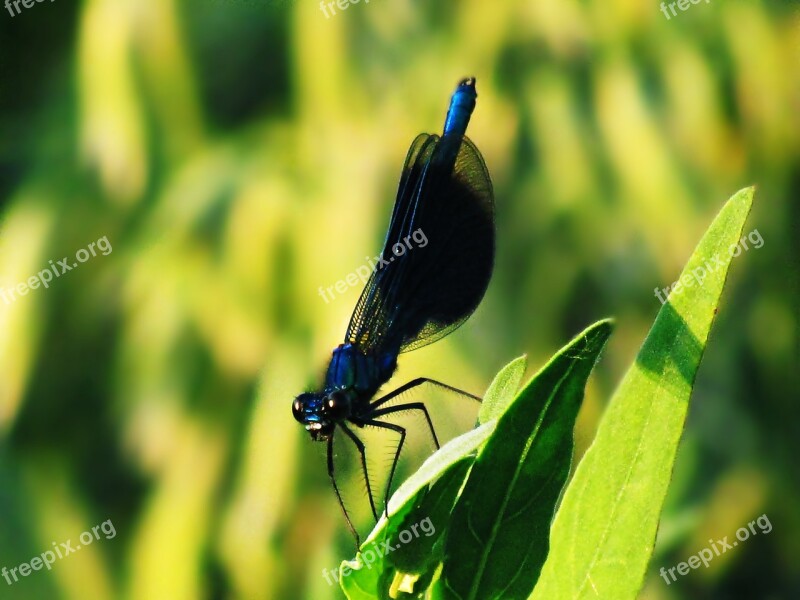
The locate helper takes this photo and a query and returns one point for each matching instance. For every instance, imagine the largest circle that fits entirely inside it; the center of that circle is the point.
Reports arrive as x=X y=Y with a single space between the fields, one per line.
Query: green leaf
x=436 y=464
x=362 y=579
x=360 y=583
x=499 y=394
x=502 y=390
x=497 y=539
x=603 y=535
x=405 y=545
x=422 y=527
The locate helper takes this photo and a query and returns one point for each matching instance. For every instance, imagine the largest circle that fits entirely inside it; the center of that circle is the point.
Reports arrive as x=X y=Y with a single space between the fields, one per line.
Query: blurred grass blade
x=497 y=539
x=502 y=390
x=603 y=535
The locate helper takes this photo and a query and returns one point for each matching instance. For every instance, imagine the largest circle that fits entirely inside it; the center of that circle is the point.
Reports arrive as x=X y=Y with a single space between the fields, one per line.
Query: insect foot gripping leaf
x=603 y=535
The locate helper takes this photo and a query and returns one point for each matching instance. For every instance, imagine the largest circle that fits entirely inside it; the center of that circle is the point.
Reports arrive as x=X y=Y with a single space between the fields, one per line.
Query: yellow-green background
x=240 y=154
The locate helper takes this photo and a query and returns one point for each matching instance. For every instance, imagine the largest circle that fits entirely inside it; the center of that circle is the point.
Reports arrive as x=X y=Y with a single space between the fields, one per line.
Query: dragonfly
x=412 y=298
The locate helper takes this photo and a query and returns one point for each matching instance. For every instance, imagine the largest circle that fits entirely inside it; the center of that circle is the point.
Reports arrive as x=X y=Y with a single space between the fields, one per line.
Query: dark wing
x=445 y=212
x=367 y=326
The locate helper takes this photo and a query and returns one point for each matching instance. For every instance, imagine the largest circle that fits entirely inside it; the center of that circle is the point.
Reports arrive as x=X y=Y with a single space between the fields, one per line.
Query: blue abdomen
x=461 y=106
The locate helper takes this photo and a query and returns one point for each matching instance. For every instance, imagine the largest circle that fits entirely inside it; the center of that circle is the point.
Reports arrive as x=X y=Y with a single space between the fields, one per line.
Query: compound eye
x=336 y=405
x=297 y=409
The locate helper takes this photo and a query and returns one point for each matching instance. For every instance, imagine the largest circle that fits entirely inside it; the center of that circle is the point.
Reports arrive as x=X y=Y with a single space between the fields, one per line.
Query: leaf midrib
x=481 y=567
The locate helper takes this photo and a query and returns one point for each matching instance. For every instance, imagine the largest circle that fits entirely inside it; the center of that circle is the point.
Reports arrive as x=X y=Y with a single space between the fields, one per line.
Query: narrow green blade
x=605 y=529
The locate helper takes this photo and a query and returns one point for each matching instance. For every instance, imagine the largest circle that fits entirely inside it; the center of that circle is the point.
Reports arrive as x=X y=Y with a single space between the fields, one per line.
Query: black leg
x=360 y=445
x=338 y=493
x=402 y=432
x=414 y=383
x=410 y=406
x=375 y=411
x=413 y=405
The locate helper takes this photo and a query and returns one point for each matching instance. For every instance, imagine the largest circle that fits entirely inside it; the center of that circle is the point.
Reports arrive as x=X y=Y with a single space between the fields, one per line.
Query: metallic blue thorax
x=350 y=369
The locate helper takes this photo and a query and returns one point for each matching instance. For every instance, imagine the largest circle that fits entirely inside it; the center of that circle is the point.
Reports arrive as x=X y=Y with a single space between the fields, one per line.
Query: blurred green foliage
x=240 y=154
